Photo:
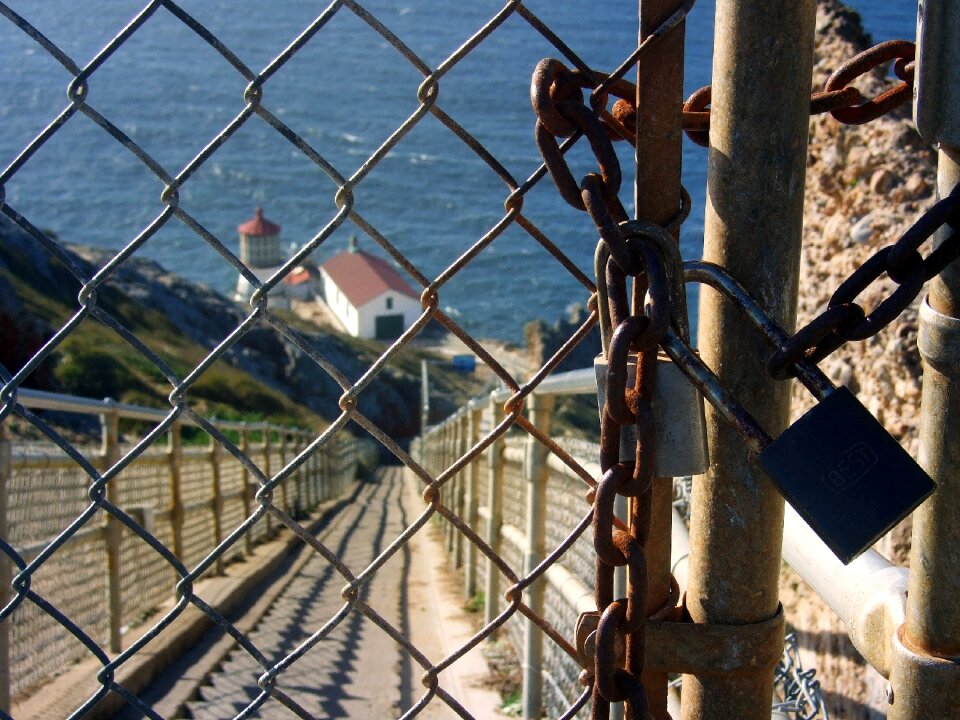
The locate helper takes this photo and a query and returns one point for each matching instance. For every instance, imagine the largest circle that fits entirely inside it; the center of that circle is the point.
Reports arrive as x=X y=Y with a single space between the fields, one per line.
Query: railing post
x=303 y=474
x=216 y=500
x=266 y=471
x=284 y=489
x=175 y=464
x=925 y=672
x=324 y=459
x=450 y=443
x=460 y=492
x=474 y=414
x=6 y=570
x=110 y=452
x=246 y=496
x=491 y=593
x=758 y=150
x=305 y=479
x=535 y=474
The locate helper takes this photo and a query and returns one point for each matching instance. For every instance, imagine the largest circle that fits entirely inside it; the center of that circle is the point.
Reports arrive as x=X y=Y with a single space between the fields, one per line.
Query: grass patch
x=475 y=604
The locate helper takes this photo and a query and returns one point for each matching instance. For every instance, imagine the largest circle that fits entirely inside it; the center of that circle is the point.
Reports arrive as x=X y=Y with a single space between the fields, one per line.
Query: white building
x=369 y=297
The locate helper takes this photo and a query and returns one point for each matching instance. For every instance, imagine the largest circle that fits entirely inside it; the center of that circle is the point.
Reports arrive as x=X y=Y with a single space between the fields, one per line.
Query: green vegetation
x=262 y=378
x=475 y=603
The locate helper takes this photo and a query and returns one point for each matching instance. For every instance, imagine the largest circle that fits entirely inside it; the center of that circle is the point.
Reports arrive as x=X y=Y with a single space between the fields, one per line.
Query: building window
x=389 y=303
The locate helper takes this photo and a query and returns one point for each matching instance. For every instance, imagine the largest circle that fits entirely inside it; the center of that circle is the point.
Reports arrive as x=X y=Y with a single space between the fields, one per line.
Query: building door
x=388 y=327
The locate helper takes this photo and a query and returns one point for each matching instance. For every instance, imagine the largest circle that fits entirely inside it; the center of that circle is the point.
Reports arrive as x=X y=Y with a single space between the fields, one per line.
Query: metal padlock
x=680 y=425
x=845 y=474
x=837 y=466
x=679 y=421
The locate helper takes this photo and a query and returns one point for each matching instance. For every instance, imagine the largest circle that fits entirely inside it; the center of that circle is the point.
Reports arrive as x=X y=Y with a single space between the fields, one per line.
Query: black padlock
x=837 y=466
x=844 y=474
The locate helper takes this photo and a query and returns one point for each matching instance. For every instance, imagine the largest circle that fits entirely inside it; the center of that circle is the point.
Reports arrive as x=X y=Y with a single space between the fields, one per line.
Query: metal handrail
x=43 y=400
x=868 y=594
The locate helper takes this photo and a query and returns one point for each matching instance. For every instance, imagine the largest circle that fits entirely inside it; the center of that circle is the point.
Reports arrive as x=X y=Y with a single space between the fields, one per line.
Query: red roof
x=362 y=277
x=297 y=276
x=259 y=225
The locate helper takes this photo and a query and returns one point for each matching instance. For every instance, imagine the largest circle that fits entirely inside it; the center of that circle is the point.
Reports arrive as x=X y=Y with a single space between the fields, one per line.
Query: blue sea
x=345 y=93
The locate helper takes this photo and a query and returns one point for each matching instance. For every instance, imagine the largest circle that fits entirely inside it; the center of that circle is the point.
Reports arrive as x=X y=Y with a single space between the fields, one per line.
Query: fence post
x=314 y=477
x=450 y=442
x=175 y=464
x=266 y=472
x=110 y=452
x=324 y=459
x=491 y=593
x=246 y=497
x=535 y=474
x=216 y=501
x=460 y=492
x=303 y=474
x=474 y=413
x=758 y=151
x=6 y=571
x=284 y=489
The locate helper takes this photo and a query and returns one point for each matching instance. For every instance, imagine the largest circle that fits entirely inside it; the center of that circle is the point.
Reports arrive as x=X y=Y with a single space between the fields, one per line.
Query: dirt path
x=356 y=669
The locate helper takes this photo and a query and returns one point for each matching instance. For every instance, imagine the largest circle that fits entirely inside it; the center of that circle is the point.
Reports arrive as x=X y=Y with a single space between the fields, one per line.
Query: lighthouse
x=260 y=251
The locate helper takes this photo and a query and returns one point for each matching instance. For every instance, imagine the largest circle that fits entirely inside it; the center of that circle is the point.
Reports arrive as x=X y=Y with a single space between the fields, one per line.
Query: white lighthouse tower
x=259 y=251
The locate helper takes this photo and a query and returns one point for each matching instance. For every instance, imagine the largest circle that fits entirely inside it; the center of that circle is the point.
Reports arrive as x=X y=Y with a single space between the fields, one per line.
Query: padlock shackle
x=600 y=257
x=670 y=251
x=707 y=273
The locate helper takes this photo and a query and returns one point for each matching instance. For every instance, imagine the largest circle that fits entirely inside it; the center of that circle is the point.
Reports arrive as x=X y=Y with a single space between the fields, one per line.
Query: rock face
x=865 y=186
x=206 y=318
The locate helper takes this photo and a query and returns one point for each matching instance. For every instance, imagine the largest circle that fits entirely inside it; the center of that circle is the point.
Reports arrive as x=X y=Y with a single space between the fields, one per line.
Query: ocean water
x=345 y=93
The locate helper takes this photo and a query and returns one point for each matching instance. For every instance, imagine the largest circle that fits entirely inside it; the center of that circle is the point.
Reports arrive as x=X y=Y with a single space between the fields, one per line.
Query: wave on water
x=423 y=158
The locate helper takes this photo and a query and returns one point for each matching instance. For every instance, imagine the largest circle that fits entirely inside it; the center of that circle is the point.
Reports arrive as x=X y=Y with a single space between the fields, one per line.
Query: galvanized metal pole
x=535 y=473
x=216 y=499
x=491 y=597
x=246 y=496
x=266 y=471
x=925 y=672
x=657 y=199
x=424 y=404
x=474 y=413
x=762 y=64
x=109 y=423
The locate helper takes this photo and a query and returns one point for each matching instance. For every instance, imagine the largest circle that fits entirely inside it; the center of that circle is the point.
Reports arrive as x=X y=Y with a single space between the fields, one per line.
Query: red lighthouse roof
x=259 y=225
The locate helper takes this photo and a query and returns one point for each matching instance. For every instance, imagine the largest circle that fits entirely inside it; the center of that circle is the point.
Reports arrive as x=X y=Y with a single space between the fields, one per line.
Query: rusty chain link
x=838 y=97
x=844 y=319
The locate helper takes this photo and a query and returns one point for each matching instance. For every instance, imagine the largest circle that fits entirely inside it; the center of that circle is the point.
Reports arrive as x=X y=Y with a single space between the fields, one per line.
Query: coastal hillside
x=865 y=186
x=263 y=376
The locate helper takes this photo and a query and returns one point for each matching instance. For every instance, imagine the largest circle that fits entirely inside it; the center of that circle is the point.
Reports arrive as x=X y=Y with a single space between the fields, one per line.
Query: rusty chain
x=557 y=99
x=838 y=97
x=844 y=319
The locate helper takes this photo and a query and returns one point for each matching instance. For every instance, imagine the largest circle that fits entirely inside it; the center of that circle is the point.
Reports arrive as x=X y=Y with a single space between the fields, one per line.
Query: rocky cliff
x=263 y=375
x=865 y=186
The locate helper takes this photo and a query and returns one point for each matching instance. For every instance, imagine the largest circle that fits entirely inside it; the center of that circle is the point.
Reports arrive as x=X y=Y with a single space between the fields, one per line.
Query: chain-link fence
x=187 y=498
x=111 y=489
x=37 y=595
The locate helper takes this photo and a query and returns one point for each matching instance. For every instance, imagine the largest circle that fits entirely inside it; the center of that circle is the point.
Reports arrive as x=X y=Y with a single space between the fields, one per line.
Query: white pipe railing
x=868 y=594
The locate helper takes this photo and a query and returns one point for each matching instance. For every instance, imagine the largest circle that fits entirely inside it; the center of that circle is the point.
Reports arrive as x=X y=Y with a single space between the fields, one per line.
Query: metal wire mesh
x=152 y=552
